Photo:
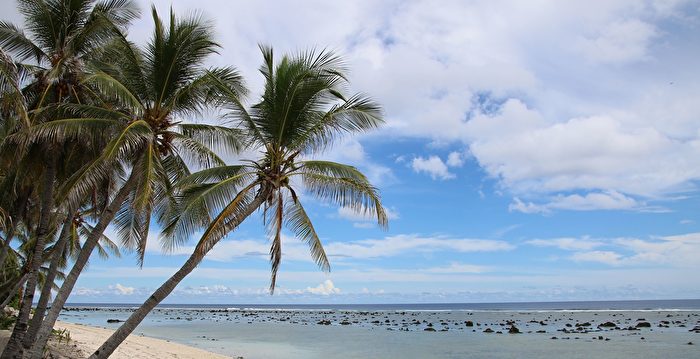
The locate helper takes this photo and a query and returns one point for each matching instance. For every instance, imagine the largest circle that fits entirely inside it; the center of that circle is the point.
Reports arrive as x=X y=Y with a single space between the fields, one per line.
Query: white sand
x=85 y=339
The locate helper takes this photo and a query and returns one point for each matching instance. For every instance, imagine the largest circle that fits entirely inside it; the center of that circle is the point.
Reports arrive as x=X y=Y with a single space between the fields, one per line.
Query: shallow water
x=269 y=333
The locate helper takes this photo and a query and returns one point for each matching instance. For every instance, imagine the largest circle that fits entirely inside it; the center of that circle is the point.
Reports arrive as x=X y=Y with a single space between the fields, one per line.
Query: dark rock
x=643 y=325
x=513 y=330
x=324 y=322
x=607 y=325
x=488 y=330
x=114 y=321
x=469 y=323
x=429 y=329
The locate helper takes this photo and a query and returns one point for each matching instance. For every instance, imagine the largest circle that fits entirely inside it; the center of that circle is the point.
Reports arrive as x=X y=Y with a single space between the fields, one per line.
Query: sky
x=533 y=151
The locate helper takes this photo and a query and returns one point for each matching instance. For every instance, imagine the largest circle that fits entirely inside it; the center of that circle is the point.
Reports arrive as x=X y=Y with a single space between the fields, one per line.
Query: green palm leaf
x=299 y=222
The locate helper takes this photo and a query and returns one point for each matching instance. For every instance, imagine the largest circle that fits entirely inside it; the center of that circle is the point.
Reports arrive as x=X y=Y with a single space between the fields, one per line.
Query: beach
x=85 y=339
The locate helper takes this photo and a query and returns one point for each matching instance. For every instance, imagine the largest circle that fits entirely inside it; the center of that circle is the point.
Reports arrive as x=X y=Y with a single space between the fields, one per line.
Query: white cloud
x=457 y=268
x=519 y=206
x=606 y=257
x=122 y=290
x=680 y=251
x=618 y=42
x=350 y=151
x=397 y=245
x=584 y=243
x=325 y=288
x=610 y=200
x=455 y=159
x=401 y=244
x=433 y=166
x=605 y=103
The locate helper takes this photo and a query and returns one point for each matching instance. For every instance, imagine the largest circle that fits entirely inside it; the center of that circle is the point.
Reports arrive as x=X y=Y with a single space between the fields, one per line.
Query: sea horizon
x=573 y=305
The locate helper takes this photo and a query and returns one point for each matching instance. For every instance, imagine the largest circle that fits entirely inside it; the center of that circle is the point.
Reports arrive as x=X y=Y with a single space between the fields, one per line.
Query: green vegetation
x=87 y=142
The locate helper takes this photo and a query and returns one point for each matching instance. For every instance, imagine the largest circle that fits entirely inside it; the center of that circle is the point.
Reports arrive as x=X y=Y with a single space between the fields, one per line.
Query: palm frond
x=352 y=193
x=276 y=232
x=229 y=218
x=14 y=40
x=218 y=138
x=115 y=90
x=357 y=114
x=201 y=200
x=195 y=152
x=298 y=222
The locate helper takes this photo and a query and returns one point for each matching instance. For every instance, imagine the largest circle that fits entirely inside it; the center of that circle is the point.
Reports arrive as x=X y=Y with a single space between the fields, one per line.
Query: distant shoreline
x=598 y=305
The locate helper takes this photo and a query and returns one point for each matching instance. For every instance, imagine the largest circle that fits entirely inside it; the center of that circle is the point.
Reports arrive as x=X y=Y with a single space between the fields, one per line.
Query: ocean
x=595 y=329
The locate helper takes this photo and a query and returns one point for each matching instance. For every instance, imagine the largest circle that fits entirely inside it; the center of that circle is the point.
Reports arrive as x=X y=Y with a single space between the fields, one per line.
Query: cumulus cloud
x=455 y=159
x=604 y=104
x=325 y=288
x=433 y=166
x=122 y=290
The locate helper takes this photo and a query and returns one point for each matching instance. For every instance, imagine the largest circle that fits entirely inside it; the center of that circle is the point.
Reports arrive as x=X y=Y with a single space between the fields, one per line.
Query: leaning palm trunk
x=13 y=348
x=108 y=347
x=14 y=290
x=40 y=309
x=42 y=336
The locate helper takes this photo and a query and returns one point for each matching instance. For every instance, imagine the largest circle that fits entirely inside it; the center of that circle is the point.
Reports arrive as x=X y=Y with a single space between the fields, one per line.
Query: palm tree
x=146 y=93
x=13 y=111
x=301 y=112
x=63 y=34
x=74 y=230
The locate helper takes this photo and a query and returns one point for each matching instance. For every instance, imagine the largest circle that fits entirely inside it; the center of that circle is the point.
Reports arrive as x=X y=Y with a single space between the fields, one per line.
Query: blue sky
x=533 y=151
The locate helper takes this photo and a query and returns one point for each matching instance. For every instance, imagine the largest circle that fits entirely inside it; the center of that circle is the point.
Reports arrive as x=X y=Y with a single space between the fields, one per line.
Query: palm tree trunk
x=111 y=344
x=13 y=291
x=48 y=285
x=108 y=214
x=14 y=345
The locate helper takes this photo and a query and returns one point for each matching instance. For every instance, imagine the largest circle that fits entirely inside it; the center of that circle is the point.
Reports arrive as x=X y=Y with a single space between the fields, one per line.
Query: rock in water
x=513 y=330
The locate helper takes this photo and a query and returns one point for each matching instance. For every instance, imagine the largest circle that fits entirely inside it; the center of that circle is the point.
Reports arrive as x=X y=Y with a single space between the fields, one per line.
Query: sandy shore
x=85 y=339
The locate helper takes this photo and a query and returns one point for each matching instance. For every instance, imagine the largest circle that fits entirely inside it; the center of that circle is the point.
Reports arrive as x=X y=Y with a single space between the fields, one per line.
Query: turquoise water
x=399 y=331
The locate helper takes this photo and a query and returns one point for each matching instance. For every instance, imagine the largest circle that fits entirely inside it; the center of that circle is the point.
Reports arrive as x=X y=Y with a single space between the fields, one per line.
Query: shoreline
x=85 y=339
